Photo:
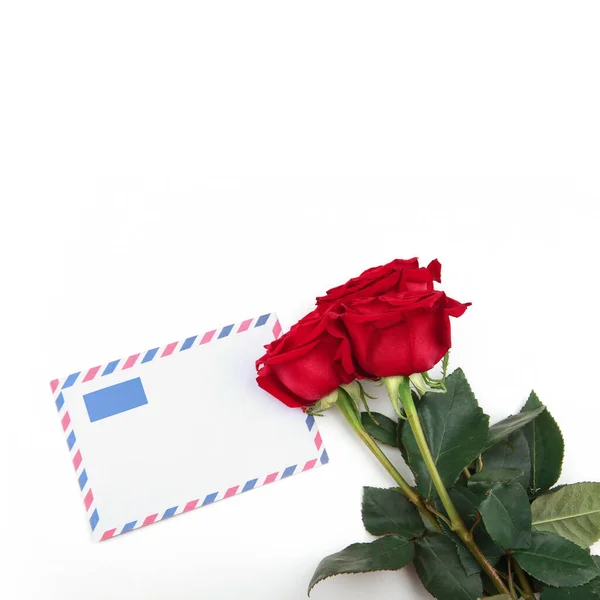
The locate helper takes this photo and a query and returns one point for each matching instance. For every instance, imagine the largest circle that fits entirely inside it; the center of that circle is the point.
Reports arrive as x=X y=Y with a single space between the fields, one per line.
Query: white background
x=165 y=166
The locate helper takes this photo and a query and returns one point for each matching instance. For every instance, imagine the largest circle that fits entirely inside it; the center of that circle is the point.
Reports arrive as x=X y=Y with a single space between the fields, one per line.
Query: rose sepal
x=325 y=403
x=392 y=385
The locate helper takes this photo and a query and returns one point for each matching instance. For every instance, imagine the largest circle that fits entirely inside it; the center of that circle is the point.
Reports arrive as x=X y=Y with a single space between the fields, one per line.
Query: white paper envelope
x=179 y=426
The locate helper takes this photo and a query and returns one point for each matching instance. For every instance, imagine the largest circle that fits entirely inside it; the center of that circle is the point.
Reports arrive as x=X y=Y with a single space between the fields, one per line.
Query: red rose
x=308 y=362
x=400 y=334
x=396 y=276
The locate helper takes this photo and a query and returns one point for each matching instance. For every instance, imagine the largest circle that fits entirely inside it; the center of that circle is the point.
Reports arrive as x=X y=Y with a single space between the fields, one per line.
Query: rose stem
x=347 y=407
x=458 y=525
x=526 y=587
x=511 y=585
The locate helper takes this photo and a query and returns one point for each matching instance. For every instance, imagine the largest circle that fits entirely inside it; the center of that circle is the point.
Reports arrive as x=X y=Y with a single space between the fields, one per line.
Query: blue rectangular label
x=115 y=399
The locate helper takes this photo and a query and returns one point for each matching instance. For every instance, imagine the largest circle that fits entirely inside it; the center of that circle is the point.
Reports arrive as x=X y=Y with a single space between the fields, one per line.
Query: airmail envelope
x=175 y=427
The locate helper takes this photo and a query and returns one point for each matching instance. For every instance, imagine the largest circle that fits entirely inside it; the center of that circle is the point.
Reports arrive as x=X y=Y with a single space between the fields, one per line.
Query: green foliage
x=465 y=502
x=504 y=508
x=546 y=447
x=573 y=511
x=467 y=560
x=556 y=561
x=511 y=453
x=386 y=430
x=440 y=571
x=455 y=428
x=590 y=591
x=501 y=430
x=508 y=504
x=389 y=512
x=385 y=554
x=498 y=475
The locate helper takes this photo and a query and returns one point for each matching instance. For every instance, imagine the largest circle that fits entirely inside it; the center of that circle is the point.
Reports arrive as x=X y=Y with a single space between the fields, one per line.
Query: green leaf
x=440 y=571
x=455 y=428
x=492 y=476
x=385 y=430
x=556 y=561
x=501 y=430
x=385 y=554
x=512 y=453
x=499 y=597
x=546 y=447
x=589 y=591
x=572 y=512
x=389 y=512
x=465 y=502
x=505 y=511
x=467 y=560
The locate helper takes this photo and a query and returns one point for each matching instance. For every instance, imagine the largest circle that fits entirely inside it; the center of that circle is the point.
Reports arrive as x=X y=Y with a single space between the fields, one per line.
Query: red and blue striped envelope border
x=163 y=353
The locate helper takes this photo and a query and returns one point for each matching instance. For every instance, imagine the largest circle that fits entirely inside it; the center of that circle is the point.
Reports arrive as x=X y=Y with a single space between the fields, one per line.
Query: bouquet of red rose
x=483 y=518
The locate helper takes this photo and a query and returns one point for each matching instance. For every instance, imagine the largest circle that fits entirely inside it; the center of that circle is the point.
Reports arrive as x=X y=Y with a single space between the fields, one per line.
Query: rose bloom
x=401 y=333
x=308 y=362
x=396 y=276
